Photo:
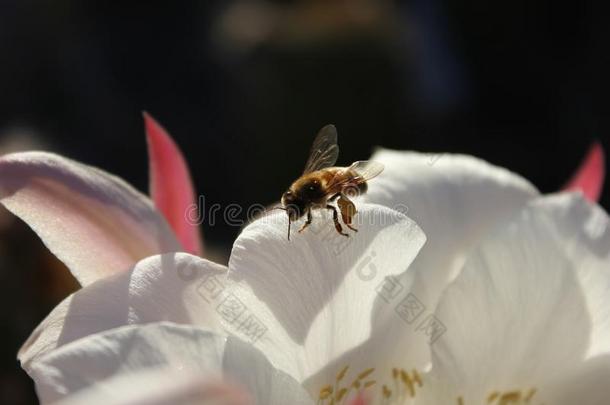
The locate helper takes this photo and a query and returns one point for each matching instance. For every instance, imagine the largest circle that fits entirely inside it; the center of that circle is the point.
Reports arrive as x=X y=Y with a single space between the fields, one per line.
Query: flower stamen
x=325 y=392
x=515 y=397
x=404 y=387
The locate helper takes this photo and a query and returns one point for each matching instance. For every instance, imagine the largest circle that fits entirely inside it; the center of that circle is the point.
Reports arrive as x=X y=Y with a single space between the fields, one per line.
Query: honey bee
x=321 y=183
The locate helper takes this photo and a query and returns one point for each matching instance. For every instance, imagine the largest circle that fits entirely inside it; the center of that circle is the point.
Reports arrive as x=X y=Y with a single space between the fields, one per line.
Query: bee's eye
x=314 y=185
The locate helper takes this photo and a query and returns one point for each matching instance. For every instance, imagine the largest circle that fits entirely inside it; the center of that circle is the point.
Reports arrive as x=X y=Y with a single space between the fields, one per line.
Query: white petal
x=164 y=287
x=456 y=200
x=313 y=295
x=94 y=222
x=586 y=384
x=159 y=386
x=130 y=350
x=582 y=231
x=531 y=304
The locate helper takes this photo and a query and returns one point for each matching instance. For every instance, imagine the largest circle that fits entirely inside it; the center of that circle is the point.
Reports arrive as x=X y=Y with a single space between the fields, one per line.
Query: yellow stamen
x=369 y=383
x=342 y=373
x=509 y=397
x=404 y=386
x=340 y=394
x=417 y=378
x=407 y=381
x=365 y=373
x=326 y=392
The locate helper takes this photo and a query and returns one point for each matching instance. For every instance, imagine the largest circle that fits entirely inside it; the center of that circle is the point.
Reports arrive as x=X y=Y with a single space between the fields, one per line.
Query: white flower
x=507 y=299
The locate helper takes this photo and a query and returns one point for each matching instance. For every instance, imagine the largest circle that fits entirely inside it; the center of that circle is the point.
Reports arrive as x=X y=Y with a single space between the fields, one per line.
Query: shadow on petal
x=159 y=288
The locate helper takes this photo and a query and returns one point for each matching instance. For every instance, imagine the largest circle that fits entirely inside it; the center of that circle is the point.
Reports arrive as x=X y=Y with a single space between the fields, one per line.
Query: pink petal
x=94 y=222
x=171 y=187
x=589 y=178
x=359 y=400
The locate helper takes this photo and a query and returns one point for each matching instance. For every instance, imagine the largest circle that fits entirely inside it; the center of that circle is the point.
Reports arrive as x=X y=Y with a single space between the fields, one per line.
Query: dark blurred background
x=243 y=86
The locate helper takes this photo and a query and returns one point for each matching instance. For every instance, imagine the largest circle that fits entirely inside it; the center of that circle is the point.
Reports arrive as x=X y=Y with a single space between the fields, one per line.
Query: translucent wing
x=324 y=151
x=366 y=169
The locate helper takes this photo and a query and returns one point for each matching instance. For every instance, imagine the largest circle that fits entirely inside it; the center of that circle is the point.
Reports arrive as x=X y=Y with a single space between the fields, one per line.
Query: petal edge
x=171 y=187
x=94 y=222
x=589 y=178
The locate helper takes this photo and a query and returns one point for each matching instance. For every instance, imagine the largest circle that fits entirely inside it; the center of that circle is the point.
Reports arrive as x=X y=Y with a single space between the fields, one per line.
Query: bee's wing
x=366 y=169
x=324 y=151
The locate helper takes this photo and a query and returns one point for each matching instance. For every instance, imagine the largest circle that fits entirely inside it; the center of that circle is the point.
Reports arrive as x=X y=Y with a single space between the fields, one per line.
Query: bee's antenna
x=284 y=209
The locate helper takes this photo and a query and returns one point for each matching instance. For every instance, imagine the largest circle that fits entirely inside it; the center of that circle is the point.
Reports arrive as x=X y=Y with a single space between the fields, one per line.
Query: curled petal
x=589 y=178
x=166 y=287
x=457 y=200
x=310 y=299
x=530 y=309
x=171 y=187
x=182 y=349
x=94 y=222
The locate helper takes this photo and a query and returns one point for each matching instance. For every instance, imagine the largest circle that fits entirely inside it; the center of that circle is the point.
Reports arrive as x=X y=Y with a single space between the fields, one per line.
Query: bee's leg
x=307 y=222
x=336 y=220
x=348 y=211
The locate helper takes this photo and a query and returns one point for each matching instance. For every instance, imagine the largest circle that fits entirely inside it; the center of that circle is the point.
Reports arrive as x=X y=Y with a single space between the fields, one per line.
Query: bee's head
x=294 y=205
